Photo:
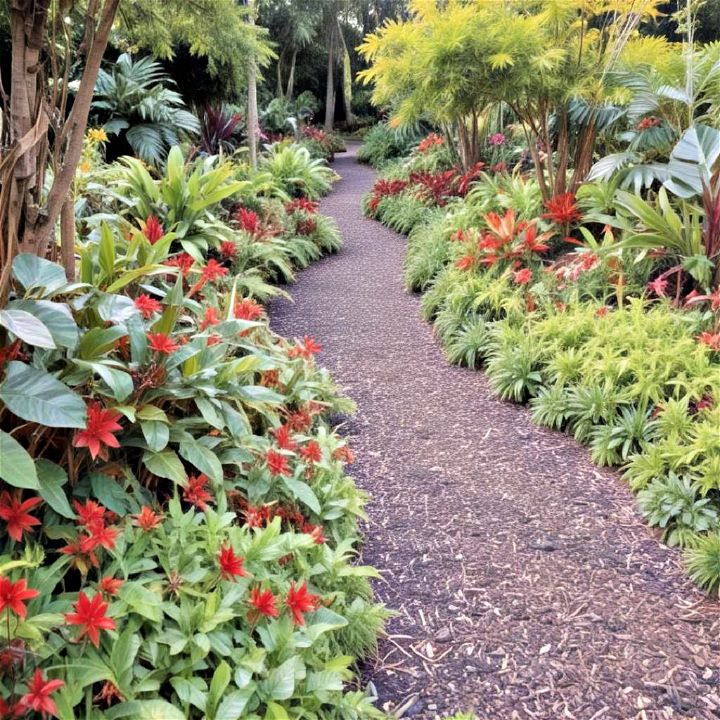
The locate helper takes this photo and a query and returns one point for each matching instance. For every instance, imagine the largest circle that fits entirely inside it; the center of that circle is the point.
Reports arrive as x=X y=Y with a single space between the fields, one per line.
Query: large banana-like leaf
x=693 y=161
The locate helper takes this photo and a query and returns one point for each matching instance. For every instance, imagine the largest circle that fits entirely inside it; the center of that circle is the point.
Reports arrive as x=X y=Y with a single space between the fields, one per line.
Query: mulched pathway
x=526 y=583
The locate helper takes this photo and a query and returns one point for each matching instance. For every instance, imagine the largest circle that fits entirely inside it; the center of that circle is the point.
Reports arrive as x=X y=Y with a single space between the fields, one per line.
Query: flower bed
x=178 y=528
x=567 y=309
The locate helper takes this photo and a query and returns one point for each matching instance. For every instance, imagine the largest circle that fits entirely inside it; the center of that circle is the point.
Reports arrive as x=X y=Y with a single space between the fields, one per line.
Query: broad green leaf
x=204 y=459
x=106 y=251
x=151 y=412
x=34 y=272
x=110 y=493
x=157 y=434
x=145 y=710
x=98 y=341
x=220 y=680
x=303 y=492
x=56 y=317
x=36 y=396
x=165 y=464
x=120 y=382
x=234 y=703
x=27 y=328
x=280 y=681
x=142 y=601
x=16 y=466
x=52 y=478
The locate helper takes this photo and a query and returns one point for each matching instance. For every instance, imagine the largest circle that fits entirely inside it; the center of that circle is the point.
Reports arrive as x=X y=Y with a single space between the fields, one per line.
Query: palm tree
x=137 y=103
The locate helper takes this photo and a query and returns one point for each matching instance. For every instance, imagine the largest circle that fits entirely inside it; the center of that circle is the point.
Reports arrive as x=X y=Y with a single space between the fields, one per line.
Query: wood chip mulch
x=525 y=581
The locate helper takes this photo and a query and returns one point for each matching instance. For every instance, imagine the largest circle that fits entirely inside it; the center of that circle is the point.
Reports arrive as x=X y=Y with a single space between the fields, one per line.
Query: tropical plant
x=297 y=172
x=220 y=130
x=136 y=102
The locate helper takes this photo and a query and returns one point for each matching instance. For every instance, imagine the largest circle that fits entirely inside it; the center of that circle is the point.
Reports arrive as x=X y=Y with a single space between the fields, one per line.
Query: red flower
x=311 y=453
x=147 y=519
x=602 y=311
x=90 y=615
x=277 y=463
x=161 y=343
x=712 y=340
x=213 y=340
x=100 y=536
x=658 y=286
x=316 y=532
x=211 y=318
x=263 y=603
x=247 y=309
x=300 y=601
x=110 y=586
x=562 y=209
x=248 y=220
x=91 y=514
x=306 y=349
x=466 y=262
x=184 y=261
x=101 y=424
x=14 y=512
x=283 y=438
x=344 y=454
x=195 y=492
x=147 y=305
x=533 y=242
x=213 y=271
x=301 y=204
x=300 y=420
x=523 y=277
x=14 y=594
x=231 y=565
x=152 y=229
x=228 y=249
x=38 y=697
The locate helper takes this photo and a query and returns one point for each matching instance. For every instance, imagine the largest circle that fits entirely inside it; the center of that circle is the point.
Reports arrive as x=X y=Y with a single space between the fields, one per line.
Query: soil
x=526 y=583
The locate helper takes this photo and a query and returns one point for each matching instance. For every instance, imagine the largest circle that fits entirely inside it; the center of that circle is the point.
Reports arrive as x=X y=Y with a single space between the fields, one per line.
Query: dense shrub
x=178 y=531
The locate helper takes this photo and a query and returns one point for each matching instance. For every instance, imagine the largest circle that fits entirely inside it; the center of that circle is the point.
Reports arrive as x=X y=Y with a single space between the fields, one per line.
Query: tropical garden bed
x=586 y=286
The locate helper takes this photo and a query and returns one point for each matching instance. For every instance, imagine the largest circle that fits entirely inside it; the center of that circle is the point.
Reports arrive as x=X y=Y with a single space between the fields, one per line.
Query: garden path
x=526 y=583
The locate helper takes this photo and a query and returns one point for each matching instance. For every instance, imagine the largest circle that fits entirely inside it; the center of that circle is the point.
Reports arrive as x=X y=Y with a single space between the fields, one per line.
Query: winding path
x=526 y=584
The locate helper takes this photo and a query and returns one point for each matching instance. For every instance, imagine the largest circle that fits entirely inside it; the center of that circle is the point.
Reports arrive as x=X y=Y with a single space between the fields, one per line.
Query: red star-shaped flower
x=101 y=424
x=91 y=616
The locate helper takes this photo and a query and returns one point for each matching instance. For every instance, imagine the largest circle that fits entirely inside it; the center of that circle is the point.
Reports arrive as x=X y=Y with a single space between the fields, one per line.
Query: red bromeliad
x=110 y=586
x=14 y=511
x=161 y=343
x=14 y=595
x=90 y=615
x=101 y=424
x=152 y=229
x=262 y=602
x=231 y=565
x=147 y=306
x=299 y=601
x=247 y=309
x=37 y=698
x=248 y=220
x=277 y=463
x=196 y=492
x=562 y=210
x=311 y=453
x=306 y=349
x=147 y=519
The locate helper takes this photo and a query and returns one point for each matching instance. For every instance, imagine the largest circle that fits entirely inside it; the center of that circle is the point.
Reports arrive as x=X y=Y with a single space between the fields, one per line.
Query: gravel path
x=526 y=583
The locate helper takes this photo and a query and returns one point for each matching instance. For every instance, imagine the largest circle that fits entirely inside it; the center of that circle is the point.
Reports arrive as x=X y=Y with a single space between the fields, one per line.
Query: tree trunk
x=279 y=89
x=291 y=77
x=28 y=219
x=330 y=84
x=252 y=109
x=67 y=238
x=347 y=81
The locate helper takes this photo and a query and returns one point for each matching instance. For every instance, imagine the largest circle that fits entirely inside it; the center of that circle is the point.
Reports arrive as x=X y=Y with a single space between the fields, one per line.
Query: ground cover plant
x=598 y=304
x=179 y=530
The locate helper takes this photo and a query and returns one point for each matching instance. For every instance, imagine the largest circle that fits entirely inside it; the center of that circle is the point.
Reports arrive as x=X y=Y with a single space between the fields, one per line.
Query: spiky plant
x=703 y=562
